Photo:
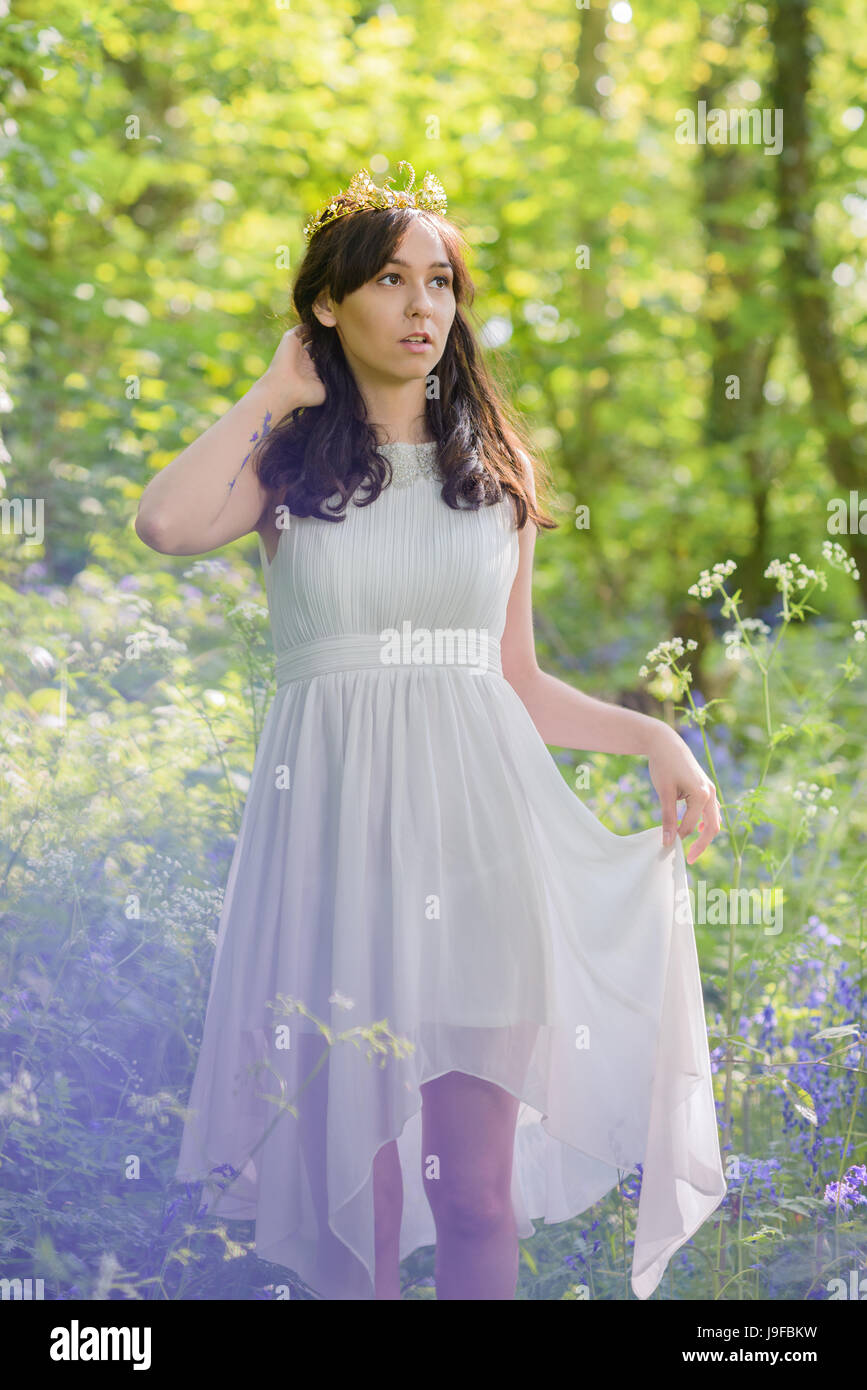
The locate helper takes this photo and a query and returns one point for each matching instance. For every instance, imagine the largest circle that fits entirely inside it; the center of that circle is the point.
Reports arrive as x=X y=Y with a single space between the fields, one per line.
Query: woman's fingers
x=710 y=827
x=696 y=799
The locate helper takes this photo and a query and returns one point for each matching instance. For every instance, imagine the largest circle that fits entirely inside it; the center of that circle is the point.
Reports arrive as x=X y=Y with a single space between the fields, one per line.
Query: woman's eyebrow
x=395 y=260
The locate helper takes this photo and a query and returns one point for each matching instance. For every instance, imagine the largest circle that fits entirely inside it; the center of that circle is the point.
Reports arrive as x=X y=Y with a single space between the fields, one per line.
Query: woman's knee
x=470 y=1207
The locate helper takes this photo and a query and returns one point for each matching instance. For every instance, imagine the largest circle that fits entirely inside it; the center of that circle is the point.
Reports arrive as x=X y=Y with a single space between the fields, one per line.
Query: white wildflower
x=341 y=1000
x=836 y=556
x=712 y=579
x=41 y=658
x=782 y=571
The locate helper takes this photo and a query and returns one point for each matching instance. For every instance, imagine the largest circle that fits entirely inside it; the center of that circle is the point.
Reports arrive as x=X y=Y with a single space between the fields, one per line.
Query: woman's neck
x=398 y=418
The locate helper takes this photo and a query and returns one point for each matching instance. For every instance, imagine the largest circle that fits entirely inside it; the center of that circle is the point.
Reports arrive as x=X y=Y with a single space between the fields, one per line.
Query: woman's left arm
x=567 y=718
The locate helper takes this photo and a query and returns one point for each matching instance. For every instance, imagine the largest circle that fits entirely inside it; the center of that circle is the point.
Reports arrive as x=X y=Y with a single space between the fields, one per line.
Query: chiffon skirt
x=416 y=890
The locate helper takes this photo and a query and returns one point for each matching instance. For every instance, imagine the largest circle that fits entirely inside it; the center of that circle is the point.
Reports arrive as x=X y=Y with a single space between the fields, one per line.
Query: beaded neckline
x=411 y=461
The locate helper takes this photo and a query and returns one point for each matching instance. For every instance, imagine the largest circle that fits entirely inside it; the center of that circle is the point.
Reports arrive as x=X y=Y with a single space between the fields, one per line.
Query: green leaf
x=528 y=1259
x=763 y=1233
x=802 y=1100
x=782 y=734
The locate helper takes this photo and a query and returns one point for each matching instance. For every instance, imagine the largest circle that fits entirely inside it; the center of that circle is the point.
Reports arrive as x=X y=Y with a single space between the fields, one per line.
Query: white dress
x=410 y=852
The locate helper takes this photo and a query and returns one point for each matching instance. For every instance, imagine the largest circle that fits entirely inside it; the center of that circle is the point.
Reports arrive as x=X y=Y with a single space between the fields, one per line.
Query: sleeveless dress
x=415 y=889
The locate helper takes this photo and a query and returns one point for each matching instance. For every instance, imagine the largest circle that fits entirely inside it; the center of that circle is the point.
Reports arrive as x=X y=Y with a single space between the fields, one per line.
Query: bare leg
x=468 y=1125
x=387 y=1208
x=387 y=1179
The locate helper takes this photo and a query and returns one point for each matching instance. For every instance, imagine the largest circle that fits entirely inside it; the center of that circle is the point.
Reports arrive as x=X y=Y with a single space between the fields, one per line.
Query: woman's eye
x=393 y=274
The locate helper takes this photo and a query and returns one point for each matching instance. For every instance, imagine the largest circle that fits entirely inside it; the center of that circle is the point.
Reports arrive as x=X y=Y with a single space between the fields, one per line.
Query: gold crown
x=363 y=193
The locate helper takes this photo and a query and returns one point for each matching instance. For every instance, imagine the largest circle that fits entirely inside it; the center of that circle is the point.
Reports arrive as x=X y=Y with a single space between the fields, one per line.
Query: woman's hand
x=677 y=776
x=292 y=371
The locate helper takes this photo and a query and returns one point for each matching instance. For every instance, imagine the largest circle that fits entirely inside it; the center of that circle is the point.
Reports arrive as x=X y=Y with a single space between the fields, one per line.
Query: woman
x=409 y=854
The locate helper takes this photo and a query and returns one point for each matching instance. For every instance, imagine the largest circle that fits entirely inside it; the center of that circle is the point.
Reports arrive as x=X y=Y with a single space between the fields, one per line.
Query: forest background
x=681 y=322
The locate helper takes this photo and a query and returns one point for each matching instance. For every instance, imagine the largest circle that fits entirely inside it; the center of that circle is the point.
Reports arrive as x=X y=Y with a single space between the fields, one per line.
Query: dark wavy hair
x=314 y=452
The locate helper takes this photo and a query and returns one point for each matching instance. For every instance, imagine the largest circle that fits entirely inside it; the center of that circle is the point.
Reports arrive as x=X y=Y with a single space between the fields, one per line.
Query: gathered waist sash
x=453 y=649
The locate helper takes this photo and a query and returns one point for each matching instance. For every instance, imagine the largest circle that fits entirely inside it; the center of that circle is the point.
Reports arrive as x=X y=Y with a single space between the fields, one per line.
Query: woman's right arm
x=204 y=498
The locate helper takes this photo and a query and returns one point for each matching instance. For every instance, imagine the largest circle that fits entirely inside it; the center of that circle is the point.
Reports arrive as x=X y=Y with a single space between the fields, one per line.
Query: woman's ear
x=323 y=310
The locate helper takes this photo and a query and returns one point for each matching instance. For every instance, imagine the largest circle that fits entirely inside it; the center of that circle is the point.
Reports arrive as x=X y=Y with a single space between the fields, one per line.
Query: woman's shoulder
x=528 y=473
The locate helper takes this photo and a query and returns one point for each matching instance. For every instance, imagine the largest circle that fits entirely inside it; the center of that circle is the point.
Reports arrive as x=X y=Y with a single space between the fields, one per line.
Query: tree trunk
x=805 y=284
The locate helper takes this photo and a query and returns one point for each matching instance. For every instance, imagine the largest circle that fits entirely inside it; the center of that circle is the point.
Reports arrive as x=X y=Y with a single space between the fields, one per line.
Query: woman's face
x=410 y=295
